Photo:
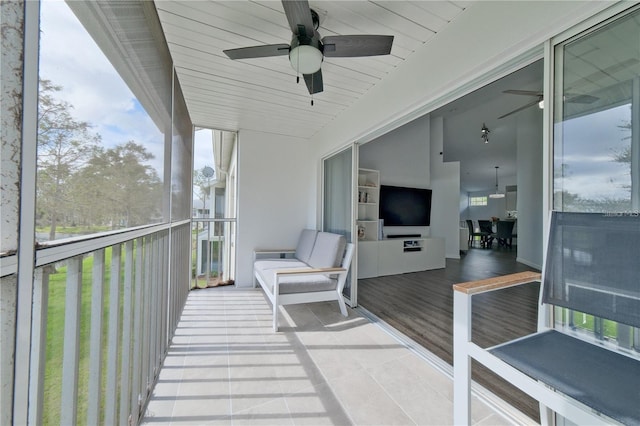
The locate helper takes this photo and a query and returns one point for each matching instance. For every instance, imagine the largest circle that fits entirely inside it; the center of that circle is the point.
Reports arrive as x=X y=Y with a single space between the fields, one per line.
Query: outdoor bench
x=315 y=271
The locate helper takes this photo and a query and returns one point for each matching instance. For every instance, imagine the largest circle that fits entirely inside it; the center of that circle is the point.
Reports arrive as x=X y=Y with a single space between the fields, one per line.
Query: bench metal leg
x=343 y=307
x=275 y=309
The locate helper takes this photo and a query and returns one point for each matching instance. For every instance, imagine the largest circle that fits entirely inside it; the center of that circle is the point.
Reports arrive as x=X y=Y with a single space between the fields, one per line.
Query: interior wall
x=445 y=182
x=530 y=187
x=402 y=156
x=276 y=195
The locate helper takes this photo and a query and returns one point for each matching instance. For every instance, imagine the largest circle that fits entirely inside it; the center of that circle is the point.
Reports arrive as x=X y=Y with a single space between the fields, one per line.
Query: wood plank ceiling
x=262 y=94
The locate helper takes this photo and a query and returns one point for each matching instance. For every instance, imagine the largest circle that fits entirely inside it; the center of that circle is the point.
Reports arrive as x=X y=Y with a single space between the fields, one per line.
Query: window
x=477 y=201
x=596 y=159
x=596 y=143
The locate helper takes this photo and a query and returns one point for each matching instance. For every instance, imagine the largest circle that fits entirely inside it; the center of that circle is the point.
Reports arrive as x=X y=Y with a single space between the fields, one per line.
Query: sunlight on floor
x=226 y=366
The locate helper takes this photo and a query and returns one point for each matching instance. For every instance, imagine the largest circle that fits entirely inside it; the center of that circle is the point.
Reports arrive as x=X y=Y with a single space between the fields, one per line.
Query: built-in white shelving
x=368 y=197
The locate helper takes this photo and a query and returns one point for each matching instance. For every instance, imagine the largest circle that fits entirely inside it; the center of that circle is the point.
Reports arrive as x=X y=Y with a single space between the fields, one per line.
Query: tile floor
x=226 y=366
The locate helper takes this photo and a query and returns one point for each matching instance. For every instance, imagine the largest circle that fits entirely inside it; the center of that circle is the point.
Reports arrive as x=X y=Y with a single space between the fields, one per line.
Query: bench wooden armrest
x=481 y=286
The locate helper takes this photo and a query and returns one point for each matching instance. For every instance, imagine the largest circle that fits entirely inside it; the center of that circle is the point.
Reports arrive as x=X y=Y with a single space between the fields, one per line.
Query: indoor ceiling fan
x=307 y=49
x=576 y=99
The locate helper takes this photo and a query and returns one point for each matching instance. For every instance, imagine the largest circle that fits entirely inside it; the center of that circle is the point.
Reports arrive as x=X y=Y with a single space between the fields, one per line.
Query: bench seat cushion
x=299 y=283
x=599 y=378
x=269 y=264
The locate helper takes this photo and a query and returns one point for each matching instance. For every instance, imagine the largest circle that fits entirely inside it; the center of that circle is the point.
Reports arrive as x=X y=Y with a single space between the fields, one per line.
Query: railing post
x=95 y=339
x=113 y=345
x=127 y=329
x=70 y=357
x=136 y=369
x=461 y=359
x=38 y=345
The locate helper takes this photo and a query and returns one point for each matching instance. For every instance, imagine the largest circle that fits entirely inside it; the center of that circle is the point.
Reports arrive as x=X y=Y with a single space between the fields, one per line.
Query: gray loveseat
x=315 y=271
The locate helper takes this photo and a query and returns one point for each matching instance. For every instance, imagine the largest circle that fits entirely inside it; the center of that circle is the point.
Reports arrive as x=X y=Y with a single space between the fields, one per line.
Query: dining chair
x=504 y=233
x=487 y=233
x=473 y=233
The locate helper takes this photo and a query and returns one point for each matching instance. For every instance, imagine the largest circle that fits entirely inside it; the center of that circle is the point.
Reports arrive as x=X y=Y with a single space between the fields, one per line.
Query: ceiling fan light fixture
x=305 y=59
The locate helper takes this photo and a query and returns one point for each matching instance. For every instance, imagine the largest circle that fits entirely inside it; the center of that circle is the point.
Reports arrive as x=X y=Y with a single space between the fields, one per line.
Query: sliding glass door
x=596 y=143
x=337 y=205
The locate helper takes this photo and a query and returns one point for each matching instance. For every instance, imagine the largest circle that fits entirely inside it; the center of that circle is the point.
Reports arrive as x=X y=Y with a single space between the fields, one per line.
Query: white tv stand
x=399 y=255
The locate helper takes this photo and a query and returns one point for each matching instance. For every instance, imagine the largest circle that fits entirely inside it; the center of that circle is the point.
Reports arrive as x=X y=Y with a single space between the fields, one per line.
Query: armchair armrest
x=504 y=281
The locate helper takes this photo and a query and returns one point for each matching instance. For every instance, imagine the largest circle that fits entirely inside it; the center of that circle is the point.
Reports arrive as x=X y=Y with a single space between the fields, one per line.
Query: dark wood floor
x=420 y=305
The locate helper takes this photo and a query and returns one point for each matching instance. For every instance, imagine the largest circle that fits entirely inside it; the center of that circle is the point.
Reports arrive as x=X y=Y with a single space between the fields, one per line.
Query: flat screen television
x=402 y=206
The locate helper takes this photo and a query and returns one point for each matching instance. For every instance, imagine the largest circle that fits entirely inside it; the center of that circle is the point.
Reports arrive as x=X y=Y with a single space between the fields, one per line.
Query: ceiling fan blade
x=343 y=46
x=520 y=109
x=523 y=92
x=314 y=82
x=258 y=51
x=298 y=13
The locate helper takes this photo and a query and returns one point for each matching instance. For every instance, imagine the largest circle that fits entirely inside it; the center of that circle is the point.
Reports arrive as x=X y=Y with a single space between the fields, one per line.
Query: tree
x=64 y=144
x=117 y=188
x=201 y=185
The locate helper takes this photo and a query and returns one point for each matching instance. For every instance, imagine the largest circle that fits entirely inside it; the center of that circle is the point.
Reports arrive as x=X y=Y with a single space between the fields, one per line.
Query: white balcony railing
x=104 y=310
x=214 y=251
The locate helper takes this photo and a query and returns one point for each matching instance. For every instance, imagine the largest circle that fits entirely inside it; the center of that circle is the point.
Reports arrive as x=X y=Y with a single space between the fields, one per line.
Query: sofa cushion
x=268 y=264
x=328 y=250
x=305 y=244
x=299 y=283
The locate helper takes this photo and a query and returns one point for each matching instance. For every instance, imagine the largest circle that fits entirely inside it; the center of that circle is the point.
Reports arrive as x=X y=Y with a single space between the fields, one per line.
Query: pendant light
x=497 y=194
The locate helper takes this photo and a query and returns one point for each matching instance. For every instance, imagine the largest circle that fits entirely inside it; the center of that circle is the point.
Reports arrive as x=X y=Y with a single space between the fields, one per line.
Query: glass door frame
x=352 y=281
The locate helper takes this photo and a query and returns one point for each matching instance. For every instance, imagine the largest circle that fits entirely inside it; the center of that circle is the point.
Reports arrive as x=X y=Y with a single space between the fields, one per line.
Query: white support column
x=461 y=359
x=22 y=147
x=71 y=351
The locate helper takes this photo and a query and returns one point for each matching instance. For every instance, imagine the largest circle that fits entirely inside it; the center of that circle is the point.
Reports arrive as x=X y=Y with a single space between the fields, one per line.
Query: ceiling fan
x=576 y=99
x=307 y=50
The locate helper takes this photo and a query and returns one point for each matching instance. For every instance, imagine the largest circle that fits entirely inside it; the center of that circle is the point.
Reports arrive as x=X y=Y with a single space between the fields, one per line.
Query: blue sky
x=70 y=58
